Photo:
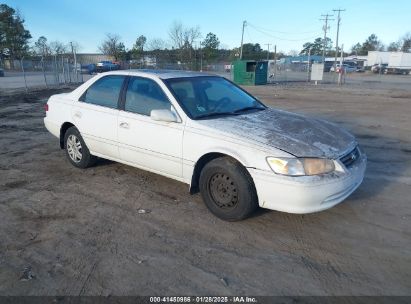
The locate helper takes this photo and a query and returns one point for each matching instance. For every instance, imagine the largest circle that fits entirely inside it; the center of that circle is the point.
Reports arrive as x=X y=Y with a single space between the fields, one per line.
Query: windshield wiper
x=247 y=109
x=215 y=114
x=236 y=112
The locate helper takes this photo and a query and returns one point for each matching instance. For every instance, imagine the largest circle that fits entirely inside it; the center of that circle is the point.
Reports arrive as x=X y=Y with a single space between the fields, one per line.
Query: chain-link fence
x=295 y=72
x=54 y=71
x=38 y=72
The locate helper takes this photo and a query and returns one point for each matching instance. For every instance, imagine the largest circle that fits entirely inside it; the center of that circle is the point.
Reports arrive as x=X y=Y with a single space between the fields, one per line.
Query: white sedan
x=205 y=131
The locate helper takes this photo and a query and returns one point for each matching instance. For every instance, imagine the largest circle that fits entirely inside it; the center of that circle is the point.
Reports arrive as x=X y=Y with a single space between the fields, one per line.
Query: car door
x=149 y=144
x=96 y=114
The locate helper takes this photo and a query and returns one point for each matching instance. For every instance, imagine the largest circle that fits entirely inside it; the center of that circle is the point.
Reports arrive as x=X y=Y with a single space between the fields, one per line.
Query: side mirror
x=163 y=115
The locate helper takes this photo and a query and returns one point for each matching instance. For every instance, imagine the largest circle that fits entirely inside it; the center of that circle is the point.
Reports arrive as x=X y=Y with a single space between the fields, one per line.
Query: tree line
x=186 y=45
x=372 y=43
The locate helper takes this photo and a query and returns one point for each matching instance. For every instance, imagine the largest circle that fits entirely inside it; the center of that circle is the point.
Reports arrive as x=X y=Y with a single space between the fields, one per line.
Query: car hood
x=290 y=132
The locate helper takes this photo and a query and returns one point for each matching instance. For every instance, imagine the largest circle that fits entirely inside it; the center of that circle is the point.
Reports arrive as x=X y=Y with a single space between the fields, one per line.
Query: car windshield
x=211 y=96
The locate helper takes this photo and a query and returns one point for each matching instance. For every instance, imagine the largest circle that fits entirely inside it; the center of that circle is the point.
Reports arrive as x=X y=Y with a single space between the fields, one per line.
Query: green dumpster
x=250 y=72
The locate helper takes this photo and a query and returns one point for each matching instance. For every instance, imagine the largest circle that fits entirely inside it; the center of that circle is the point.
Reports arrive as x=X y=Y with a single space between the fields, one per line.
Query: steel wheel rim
x=74 y=148
x=223 y=191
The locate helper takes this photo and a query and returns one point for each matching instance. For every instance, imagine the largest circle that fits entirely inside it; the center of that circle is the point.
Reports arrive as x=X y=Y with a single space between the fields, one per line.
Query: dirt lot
x=64 y=231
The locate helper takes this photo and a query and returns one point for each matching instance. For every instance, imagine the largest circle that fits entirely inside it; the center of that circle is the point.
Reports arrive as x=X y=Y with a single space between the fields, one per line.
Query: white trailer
x=399 y=63
x=377 y=57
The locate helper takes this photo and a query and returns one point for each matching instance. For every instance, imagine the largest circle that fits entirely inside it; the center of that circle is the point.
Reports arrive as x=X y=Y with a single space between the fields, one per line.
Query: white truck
x=377 y=57
x=399 y=63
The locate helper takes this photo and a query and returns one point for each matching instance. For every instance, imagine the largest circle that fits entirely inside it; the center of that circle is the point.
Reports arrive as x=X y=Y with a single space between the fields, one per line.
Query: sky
x=286 y=24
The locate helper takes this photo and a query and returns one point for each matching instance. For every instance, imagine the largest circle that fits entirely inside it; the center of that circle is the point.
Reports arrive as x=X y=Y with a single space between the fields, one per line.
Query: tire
x=76 y=150
x=227 y=189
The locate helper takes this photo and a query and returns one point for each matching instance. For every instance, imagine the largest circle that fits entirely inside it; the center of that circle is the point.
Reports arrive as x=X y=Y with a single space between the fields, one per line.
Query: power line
x=276 y=37
x=268 y=50
x=280 y=32
x=279 y=38
x=250 y=38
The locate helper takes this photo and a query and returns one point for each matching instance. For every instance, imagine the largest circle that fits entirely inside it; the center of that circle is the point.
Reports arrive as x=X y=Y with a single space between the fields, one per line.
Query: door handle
x=124 y=125
x=77 y=114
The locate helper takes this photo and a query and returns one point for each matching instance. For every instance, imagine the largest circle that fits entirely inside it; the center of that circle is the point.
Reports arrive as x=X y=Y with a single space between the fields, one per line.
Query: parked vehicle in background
x=88 y=69
x=379 y=66
x=347 y=68
x=1 y=72
x=399 y=63
x=106 y=65
x=359 y=69
x=328 y=65
x=205 y=131
x=397 y=71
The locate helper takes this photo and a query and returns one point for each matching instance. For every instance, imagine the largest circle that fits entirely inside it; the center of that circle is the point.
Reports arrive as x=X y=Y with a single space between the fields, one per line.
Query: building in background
x=300 y=59
x=92 y=58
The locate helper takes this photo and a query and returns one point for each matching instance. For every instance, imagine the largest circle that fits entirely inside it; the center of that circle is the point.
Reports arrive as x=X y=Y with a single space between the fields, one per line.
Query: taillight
x=46 y=107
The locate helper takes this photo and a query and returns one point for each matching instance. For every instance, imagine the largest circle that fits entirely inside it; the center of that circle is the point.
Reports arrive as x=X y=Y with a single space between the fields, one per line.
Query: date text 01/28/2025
x=203 y=300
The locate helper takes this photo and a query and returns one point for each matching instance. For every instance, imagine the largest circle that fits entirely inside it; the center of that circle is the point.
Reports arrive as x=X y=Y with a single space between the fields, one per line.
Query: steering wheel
x=222 y=102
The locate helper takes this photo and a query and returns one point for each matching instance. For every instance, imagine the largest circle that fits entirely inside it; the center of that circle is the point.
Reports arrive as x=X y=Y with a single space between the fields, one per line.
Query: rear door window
x=105 y=91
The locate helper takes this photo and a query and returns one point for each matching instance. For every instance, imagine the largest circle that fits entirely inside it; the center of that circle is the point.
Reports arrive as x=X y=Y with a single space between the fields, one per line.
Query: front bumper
x=307 y=194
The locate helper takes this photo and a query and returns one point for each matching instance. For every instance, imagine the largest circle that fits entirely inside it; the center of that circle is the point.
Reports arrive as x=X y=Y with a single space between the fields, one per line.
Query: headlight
x=300 y=166
x=286 y=166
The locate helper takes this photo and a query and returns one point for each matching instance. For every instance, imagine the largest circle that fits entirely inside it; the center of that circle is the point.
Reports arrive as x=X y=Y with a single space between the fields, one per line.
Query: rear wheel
x=76 y=150
x=227 y=189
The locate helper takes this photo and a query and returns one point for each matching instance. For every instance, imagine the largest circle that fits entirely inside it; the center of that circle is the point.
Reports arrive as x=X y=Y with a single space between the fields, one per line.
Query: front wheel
x=228 y=190
x=76 y=150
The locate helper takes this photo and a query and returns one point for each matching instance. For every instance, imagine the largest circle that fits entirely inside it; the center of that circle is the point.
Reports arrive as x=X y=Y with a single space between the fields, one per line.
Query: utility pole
x=201 y=59
x=195 y=54
x=242 y=38
x=338 y=32
x=268 y=50
x=75 y=59
x=308 y=64
x=325 y=29
x=275 y=60
x=342 y=70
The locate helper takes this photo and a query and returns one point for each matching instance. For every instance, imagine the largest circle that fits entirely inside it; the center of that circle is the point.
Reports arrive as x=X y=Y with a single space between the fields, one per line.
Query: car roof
x=162 y=74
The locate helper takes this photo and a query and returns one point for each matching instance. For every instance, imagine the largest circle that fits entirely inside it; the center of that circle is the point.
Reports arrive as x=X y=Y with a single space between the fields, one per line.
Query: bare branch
x=176 y=34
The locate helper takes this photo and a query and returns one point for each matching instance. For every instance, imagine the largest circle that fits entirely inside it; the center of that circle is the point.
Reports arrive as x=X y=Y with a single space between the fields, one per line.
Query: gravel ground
x=117 y=230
